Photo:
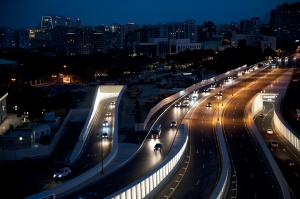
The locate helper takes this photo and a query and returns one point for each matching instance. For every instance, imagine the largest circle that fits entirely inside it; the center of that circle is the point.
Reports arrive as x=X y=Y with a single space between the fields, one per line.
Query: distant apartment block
x=285 y=22
x=255 y=25
x=11 y=38
x=245 y=26
x=84 y=41
x=78 y=23
x=68 y=22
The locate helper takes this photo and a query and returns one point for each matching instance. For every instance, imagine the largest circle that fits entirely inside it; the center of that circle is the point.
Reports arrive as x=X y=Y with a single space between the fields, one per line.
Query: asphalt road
x=250 y=176
x=282 y=152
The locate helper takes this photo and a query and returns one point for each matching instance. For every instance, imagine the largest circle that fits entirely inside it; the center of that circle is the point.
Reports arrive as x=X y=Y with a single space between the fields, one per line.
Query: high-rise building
x=176 y=30
x=78 y=23
x=285 y=22
x=22 y=39
x=68 y=22
x=190 y=30
x=255 y=25
x=245 y=25
x=84 y=41
x=46 y=22
x=206 y=31
x=159 y=31
x=57 y=21
x=7 y=38
x=233 y=26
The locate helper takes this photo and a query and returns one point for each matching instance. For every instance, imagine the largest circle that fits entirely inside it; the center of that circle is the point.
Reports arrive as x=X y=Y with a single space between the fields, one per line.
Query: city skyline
x=92 y=13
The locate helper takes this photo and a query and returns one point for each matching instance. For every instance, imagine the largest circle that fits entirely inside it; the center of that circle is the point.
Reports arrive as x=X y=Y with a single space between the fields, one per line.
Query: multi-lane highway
x=251 y=178
x=282 y=151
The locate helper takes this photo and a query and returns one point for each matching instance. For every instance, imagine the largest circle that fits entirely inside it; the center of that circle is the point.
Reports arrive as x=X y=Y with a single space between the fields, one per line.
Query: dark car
x=289 y=162
x=91 y=195
x=158 y=146
x=208 y=104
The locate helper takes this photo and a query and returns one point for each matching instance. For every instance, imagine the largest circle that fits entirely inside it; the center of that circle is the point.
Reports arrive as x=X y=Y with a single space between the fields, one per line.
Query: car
x=261 y=115
x=289 y=162
x=186 y=104
x=173 y=124
x=186 y=97
x=108 y=114
x=113 y=103
x=194 y=97
x=91 y=195
x=158 y=146
x=206 y=90
x=63 y=172
x=178 y=104
x=104 y=135
x=220 y=93
x=273 y=143
x=269 y=131
x=105 y=123
x=208 y=104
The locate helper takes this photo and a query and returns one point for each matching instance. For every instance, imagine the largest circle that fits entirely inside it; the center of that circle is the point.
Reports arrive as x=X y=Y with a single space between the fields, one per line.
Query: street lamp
x=232 y=84
x=222 y=93
x=100 y=136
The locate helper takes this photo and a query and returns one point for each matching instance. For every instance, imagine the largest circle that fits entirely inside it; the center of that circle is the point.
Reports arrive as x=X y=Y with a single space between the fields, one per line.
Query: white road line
x=233 y=119
x=237 y=135
x=233 y=126
x=251 y=175
x=88 y=154
x=107 y=185
x=24 y=190
x=296 y=174
x=255 y=194
x=246 y=159
x=203 y=165
x=243 y=136
x=127 y=174
x=86 y=166
x=197 y=151
x=230 y=135
x=197 y=182
x=210 y=151
x=203 y=152
x=241 y=146
x=202 y=140
x=284 y=150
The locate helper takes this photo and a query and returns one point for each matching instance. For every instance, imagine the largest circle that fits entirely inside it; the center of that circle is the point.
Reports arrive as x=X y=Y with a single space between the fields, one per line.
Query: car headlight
x=59 y=176
x=54 y=176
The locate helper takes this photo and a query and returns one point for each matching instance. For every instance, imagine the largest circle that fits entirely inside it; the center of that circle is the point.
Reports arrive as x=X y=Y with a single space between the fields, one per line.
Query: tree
x=137 y=113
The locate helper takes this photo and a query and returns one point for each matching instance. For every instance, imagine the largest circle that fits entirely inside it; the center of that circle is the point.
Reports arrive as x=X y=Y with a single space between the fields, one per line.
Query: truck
x=156 y=130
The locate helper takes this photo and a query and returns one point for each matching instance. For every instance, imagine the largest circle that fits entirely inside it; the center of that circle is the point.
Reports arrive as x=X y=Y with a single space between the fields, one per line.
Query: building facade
x=3 y=109
x=285 y=22
x=46 y=22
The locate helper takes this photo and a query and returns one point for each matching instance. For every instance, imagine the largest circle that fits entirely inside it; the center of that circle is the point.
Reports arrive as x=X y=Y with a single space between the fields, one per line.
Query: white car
x=269 y=131
x=173 y=124
x=194 y=97
x=108 y=114
x=105 y=123
x=186 y=104
x=62 y=173
x=178 y=104
x=113 y=103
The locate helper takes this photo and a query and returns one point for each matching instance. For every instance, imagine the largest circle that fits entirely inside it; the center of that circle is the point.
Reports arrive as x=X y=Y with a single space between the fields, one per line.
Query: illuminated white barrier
x=191 y=89
x=255 y=105
x=101 y=93
x=148 y=185
x=290 y=134
x=66 y=187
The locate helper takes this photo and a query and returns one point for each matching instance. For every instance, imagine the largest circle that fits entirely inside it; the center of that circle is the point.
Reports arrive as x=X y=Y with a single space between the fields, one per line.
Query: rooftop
x=17 y=132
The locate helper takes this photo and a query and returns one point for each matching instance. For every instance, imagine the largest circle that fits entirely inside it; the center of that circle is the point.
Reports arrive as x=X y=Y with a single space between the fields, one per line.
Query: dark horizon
x=29 y=14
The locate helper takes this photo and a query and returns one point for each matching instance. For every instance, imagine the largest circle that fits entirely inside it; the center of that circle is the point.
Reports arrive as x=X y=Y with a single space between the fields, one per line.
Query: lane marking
x=197 y=182
x=203 y=152
x=203 y=165
x=86 y=166
x=251 y=175
x=127 y=174
x=108 y=185
x=246 y=159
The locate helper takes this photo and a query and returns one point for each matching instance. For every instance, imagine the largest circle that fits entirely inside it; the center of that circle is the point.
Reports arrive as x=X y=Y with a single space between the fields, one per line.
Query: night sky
x=28 y=13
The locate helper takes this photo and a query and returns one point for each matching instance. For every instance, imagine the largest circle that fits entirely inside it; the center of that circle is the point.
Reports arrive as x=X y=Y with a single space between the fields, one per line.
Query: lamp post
x=99 y=136
x=222 y=94
x=218 y=109
x=232 y=84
